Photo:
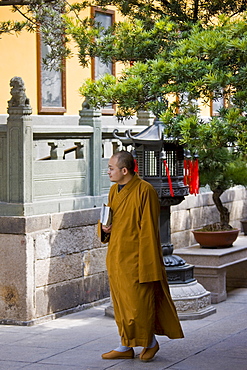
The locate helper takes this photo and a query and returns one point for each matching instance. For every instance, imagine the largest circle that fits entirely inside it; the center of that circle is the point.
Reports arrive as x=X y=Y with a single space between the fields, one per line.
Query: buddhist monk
x=141 y=299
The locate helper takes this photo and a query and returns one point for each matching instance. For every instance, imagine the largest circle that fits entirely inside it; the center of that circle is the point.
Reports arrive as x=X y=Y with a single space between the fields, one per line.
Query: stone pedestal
x=191 y=300
x=212 y=266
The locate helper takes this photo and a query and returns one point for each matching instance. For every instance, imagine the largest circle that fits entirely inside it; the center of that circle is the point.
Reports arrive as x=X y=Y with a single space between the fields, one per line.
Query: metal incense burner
x=160 y=162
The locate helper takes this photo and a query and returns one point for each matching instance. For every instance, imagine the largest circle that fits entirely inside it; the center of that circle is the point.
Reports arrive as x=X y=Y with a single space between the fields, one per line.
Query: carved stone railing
x=49 y=168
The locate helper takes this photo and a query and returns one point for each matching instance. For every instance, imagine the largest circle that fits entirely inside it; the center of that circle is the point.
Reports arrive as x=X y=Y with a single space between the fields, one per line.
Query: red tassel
x=186 y=172
x=169 y=178
x=195 y=177
x=136 y=169
x=191 y=175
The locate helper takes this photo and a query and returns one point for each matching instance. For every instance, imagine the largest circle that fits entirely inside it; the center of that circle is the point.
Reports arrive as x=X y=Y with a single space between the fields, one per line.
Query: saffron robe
x=139 y=289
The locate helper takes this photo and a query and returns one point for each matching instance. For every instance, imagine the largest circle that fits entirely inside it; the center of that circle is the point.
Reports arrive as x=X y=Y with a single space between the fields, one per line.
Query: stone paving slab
x=226 y=355
x=76 y=342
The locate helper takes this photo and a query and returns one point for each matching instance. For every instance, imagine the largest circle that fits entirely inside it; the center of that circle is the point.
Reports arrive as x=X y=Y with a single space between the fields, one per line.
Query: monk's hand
x=107 y=229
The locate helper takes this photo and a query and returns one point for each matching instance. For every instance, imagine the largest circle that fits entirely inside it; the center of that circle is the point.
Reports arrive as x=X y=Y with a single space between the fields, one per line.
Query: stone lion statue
x=19 y=98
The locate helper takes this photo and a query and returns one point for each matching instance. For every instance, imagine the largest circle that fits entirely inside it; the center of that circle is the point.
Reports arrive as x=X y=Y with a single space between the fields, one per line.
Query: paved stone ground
x=76 y=341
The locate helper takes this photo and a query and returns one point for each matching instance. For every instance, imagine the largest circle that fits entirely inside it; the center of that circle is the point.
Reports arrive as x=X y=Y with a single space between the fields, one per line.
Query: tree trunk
x=195 y=11
x=224 y=213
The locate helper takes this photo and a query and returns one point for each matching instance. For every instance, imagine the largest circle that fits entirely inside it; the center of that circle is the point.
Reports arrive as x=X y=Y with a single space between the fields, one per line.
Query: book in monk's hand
x=105 y=215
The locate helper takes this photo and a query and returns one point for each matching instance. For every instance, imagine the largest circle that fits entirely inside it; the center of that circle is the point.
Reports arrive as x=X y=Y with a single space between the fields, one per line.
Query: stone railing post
x=145 y=118
x=19 y=145
x=92 y=117
x=57 y=149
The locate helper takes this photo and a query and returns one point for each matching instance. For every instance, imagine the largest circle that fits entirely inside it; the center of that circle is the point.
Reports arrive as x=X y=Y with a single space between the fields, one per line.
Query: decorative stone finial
x=85 y=104
x=19 y=98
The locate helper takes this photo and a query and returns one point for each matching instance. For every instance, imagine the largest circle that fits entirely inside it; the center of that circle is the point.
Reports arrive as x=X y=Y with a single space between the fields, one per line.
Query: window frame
x=41 y=108
x=94 y=10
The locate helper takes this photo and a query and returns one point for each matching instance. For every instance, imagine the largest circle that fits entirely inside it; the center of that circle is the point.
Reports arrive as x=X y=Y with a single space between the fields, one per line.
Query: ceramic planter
x=216 y=239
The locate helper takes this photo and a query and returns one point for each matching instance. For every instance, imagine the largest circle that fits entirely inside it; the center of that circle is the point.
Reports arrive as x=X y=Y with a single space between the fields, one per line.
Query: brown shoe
x=115 y=355
x=147 y=354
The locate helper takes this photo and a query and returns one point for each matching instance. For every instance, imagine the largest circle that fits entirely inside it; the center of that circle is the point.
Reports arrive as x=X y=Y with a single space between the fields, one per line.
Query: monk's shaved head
x=125 y=159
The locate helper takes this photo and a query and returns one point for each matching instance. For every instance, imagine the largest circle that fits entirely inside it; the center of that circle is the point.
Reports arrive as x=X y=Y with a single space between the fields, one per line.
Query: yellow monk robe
x=140 y=293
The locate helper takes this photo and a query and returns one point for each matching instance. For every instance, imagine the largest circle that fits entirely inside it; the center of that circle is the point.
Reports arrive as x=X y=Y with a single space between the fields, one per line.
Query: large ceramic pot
x=216 y=239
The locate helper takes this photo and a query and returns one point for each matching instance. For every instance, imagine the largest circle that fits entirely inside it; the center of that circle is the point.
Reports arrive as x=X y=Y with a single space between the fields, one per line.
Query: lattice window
x=171 y=160
x=152 y=163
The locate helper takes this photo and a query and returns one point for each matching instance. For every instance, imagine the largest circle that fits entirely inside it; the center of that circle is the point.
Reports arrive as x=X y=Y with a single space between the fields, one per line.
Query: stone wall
x=197 y=211
x=50 y=264
x=54 y=264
